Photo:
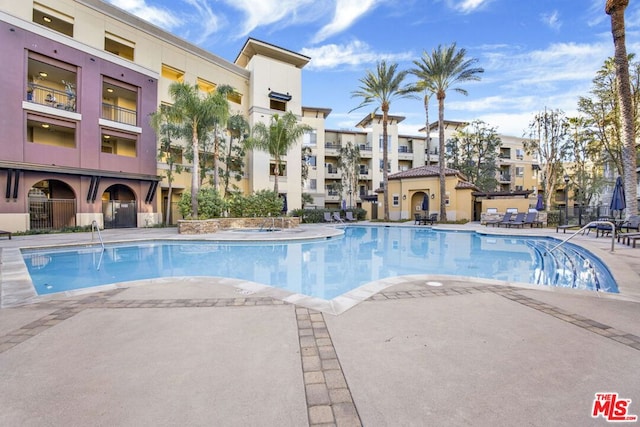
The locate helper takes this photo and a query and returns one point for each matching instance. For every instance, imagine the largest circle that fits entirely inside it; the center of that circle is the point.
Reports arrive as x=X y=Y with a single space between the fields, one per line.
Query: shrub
x=260 y=203
x=210 y=204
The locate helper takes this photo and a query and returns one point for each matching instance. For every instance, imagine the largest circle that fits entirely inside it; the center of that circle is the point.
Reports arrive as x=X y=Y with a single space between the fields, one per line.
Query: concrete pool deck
x=200 y=352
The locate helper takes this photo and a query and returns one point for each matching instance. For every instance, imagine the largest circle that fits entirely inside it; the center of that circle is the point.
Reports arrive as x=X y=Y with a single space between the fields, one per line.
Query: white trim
x=118 y=125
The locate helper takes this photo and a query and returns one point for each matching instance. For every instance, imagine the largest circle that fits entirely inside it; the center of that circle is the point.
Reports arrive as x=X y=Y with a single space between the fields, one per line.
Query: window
x=171 y=73
x=282 y=170
x=278 y=105
x=447 y=199
x=205 y=85
x=51 y=82
x=119 y=46
x=388 y=143
x=311 y=160
x=118 y=143
x=519 y=153
x=310 y=138
x=235 y=97
x=313 y=184
x=119 y=101
x=519 y=171
x=52 y=19
x=396 y=200
x=50 y=131
x=278 y=101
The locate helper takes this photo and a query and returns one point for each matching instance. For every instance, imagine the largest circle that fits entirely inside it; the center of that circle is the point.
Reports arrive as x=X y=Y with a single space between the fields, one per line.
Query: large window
x=119 y=101
x=52 y=19
x=310 y=138
x=50 y=131
x=205 y=85
x=388 y=143
x=51 y=82
x=118 y=143
x=171 y=73
x=119 y=46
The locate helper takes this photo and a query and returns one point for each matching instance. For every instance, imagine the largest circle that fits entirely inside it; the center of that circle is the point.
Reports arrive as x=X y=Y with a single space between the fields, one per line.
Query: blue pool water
x=326 y=268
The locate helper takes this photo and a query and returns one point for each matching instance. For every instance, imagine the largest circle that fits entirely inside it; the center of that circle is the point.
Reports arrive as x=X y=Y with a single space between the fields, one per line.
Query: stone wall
x=213 y=225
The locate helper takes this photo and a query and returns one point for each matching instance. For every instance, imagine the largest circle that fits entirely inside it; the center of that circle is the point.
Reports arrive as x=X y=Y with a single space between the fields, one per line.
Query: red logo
x=611 y=408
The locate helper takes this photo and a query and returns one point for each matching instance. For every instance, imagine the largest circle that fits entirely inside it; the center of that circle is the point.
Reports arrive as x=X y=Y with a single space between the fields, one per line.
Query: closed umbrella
x=425 y=203
x=618 y=202
x=344 y=205
x=284 y=204
x=540 y=203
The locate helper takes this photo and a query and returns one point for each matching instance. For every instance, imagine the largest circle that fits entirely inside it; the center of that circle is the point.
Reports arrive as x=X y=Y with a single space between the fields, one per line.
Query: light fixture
x=43 y=74
x=46 y=19
x=404 y=197
x=110 y=90
x=107 y=136
x=433 y=196
x=45 y=125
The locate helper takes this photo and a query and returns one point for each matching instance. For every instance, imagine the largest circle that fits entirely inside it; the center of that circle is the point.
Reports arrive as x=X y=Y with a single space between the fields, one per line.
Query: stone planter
x=214 y=225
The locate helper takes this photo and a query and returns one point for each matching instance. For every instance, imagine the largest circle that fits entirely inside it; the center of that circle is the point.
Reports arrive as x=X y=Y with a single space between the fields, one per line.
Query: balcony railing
x=43 y=95
x=119 y=114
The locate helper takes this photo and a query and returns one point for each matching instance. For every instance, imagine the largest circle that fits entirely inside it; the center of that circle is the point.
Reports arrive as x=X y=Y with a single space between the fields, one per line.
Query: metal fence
x=51 y=214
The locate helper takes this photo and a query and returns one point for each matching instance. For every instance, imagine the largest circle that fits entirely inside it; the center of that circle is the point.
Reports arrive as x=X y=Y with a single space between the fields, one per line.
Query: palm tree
x=615 y=9
x=196 y=115
x=437 y=73
x=382 y=86
x=221 y=116
x=277 y=139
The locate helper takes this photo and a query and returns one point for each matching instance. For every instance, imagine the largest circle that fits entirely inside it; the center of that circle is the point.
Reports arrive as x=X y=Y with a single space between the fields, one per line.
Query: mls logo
x=611 y=408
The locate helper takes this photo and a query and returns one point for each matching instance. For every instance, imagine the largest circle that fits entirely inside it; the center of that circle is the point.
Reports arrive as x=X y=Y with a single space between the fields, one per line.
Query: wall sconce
x=404 y=197
x=433 y=196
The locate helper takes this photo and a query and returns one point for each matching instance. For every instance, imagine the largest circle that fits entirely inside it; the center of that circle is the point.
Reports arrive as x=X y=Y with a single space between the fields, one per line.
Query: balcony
x=52 y=97
x=504 y=177
x=119 y=114
x=332 y=148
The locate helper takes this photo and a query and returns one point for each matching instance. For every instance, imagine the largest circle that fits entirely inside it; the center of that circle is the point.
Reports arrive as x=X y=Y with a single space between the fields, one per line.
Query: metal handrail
x=94 y=226
x=613 y=234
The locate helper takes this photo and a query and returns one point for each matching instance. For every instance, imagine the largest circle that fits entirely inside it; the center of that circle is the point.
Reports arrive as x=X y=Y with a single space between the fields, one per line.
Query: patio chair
x=336 y=217
x=431 y=219
x=505 y=220
x=517 y=220
x=349 y=216
x=418 y=219
x=5 y=233
x=633 y=223
x=529 y=219
x=327 y=217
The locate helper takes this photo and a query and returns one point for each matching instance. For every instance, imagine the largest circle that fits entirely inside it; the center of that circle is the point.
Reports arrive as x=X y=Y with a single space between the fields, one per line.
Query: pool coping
x=16 y=287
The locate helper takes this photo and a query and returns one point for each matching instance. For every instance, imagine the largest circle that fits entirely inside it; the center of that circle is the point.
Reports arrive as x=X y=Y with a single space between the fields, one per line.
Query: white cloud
x=552 y=20
x=208 y=23
x=467 y=6
x=355 y=53
x=346 y=13
x=161 y=17
x=266 y=12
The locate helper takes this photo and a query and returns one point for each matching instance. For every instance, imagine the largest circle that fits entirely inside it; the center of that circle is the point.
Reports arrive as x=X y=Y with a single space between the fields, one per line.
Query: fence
x=51 y=214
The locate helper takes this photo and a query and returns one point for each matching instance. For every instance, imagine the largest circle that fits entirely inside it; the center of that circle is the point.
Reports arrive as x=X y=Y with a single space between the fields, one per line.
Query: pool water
x=326 y=268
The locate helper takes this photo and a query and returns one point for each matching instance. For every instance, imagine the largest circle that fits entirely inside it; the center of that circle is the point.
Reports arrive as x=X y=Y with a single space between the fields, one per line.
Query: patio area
x=198 y=351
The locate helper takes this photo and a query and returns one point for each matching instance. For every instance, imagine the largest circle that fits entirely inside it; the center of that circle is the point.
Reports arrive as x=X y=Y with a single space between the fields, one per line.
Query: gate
x=119 y=213
x=51 y=214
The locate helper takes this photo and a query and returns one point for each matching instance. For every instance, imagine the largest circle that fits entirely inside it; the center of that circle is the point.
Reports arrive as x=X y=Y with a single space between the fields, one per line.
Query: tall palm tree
x=437 y=73
x=615 y=9
x=196 y=115
x=381 y=87
x=221 y=116
x=277 y=139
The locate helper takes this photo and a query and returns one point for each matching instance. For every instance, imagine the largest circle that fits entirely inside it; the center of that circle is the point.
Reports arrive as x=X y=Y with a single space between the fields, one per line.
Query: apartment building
x=82 y=78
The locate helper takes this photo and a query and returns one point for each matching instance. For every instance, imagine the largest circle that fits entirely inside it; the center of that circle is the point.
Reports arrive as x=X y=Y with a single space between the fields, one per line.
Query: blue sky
x=535 y=53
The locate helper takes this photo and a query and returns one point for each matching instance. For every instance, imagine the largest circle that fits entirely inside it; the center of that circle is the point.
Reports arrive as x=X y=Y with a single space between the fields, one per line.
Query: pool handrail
x=609 y=223
x=94 y=226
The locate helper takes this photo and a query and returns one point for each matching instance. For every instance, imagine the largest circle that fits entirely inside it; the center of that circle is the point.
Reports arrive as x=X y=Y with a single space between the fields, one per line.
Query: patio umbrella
x=344 y=205
x=540 y=203
x=425 y=203
x=618 y=202
x=284 y=204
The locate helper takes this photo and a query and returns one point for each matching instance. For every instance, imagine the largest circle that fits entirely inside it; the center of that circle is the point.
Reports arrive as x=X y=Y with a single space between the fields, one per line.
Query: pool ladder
x=96 y=228
x=609 y=223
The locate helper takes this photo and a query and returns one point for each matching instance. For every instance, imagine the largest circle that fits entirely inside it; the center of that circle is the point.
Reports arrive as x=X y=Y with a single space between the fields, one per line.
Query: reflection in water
x=326 y=268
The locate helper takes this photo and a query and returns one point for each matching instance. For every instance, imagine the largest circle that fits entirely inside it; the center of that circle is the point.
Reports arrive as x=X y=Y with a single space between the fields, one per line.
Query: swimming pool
x=326 y=268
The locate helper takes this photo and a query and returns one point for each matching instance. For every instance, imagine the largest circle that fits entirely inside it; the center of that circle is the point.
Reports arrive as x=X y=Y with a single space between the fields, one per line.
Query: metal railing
x=592 y=223
x=119 y=114
x=96 y=228
x=43 y=95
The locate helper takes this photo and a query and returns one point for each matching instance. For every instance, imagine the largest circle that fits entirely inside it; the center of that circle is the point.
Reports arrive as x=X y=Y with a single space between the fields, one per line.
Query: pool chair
x=633 y=223
x=517 y=220
x=336 y=217
x=431 y=219
x=505 y=220
x=327 y=217
x=349 y=216
x=418 y=219
x=529 y=219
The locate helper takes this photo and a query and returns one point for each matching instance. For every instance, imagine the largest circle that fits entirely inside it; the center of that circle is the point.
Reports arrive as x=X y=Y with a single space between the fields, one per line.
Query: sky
x=536 y=54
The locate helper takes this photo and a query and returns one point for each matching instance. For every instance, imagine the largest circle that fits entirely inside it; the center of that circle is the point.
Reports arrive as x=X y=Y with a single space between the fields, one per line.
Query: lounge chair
x=431 y=219
x=349 y=216
x=505 y=220
x=327 y=217
x=633 y=223
x=517 y=220
x=418 y=219
x=5 y=233
x=529 y=219
x=336 y=217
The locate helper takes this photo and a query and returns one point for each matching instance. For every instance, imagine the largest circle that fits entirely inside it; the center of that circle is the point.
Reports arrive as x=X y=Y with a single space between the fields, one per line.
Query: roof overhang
x=254 y=47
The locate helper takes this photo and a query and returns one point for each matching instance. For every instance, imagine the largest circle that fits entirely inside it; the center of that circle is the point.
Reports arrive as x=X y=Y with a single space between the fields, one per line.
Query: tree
x=167 y=131
x=277 y=139
x=548 y=133
x=437 y=73
x=221 y=116
x=586 y=170
x=615 y=9
x=381 y=87
x=233 y=158
x=348 y=162
x=195 y=115
x=474 y=152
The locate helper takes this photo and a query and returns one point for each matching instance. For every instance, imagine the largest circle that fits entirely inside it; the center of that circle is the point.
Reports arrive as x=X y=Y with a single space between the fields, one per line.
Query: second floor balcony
x=51 y=97
x=119 y=114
